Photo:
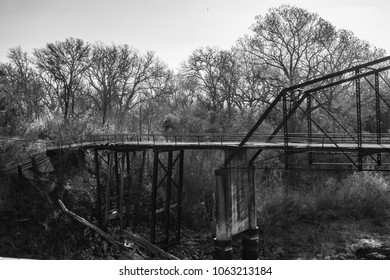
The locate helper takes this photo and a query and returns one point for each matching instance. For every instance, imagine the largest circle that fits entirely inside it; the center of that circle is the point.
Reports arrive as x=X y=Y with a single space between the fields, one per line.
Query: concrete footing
x=223 y=249
x=250 y=244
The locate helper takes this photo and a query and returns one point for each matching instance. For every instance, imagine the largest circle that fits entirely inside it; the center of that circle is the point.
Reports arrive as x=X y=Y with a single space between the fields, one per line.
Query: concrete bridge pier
x=250 y=237
x=236 y=212
x=223 y=248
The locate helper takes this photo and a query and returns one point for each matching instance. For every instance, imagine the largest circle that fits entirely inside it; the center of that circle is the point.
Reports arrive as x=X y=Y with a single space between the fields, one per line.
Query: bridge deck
x=133 y=145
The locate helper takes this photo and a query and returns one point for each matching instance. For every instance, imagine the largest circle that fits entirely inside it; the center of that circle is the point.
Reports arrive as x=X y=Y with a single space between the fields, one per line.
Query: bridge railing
x=218 y=139
x=151 y=139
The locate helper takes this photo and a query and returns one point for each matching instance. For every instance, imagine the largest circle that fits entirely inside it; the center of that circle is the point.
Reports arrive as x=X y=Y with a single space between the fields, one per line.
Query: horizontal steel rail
x=221 y=139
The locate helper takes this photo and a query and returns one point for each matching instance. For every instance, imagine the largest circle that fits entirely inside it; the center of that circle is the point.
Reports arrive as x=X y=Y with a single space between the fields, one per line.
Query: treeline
x=83 y=87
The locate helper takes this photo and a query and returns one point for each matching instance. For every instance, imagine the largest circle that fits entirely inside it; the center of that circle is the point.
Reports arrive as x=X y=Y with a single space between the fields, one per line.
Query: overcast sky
x=171 y=28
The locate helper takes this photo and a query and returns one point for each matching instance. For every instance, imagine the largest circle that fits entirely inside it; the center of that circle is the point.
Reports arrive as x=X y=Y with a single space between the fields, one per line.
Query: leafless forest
x=73 y=88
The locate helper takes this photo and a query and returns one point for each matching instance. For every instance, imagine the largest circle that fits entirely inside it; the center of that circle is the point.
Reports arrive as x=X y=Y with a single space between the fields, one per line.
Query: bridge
x=343 y=145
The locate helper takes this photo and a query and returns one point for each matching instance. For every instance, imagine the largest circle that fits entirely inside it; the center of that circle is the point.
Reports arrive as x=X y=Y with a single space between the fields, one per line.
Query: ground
x=335 y=239
x=300 y=239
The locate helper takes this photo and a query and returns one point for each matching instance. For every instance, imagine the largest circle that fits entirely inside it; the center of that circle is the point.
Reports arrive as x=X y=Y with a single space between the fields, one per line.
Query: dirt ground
x=337 y=239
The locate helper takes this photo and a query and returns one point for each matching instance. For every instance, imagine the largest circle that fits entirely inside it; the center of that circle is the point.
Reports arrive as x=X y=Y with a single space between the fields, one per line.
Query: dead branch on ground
x=151 y=248
x=111 y=240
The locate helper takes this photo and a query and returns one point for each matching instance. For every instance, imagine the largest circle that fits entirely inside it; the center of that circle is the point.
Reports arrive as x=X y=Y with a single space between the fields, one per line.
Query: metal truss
x=168 y=174
x=292 y=102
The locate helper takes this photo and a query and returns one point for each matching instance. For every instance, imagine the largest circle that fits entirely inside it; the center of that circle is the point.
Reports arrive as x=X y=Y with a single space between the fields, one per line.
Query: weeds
x=359 y=195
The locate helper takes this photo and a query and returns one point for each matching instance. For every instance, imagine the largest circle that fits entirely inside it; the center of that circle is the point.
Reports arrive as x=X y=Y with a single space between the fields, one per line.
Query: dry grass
x=359 y=195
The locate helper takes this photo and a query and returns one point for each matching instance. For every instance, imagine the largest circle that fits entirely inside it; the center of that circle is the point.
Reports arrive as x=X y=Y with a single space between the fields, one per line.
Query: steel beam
x=359 y=120
x=285 y=132
x=179 y=195
x=154 y=197
x=108 y=188
x=309 y=126
x=98 y=189
x=121 y=190
x=168 y=198
x=378 y=116
x=129 y=189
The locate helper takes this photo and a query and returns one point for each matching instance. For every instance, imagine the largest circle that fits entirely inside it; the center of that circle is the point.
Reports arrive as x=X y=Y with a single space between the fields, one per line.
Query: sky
x=171 y=28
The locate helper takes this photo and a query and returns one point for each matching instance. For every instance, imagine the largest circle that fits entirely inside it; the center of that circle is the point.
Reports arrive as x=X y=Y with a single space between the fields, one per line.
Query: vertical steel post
x=116 y=169
x=108 y=192
x=359 y=122
x=309 y=127
x=138 y=187
x=179 y=195
x=285 y=131
x=154 y=198
x=129 y=187
x=378 y=116
x=133 y=186
x=98 y=189
x=121 y=190
x=168 y=198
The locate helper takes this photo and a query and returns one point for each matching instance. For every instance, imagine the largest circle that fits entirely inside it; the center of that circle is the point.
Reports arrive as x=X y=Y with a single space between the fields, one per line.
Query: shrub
x=359 y=195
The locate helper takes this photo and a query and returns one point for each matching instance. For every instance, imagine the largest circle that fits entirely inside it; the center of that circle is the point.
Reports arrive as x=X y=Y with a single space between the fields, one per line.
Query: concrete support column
x=250 y=237
x=223 y=249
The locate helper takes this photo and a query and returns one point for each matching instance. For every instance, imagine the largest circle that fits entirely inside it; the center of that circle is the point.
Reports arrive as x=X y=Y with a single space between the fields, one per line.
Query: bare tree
x=64 y=63
x=109 y=72
x=26 y=89
x=203 y=67
x=290 y=39
x=215 y=74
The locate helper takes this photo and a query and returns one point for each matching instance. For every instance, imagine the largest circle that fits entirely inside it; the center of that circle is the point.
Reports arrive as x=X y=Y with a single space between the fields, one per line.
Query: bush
x=359 y=195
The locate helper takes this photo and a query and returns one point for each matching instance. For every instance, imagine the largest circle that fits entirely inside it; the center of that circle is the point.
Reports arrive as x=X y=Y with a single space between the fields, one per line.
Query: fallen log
x=151 y=248
x=129 y=253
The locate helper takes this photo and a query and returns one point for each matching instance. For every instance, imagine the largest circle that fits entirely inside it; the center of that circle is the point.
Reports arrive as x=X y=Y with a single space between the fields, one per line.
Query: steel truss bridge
x=313 y=130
